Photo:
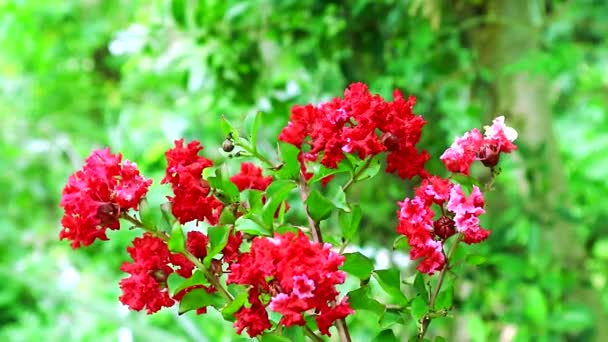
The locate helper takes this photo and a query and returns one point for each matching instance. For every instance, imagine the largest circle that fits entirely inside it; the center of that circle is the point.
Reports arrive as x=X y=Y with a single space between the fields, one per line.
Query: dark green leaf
x=199 y=298
x=319 y=206
x=358 y=265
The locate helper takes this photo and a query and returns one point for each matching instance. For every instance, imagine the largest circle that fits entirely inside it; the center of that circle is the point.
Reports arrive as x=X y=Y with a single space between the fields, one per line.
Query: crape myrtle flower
x=361 y=124
x=250 y=177
x=193 y=199
x=426 y=234
x=290 y=275
x=96 y=195
x=146 y=287
x=472 y=146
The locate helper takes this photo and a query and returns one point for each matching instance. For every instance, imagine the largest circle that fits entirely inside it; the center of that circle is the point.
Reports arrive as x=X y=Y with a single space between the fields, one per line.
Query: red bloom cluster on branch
x=497 y=139
x=361 y=124
x=297 y=274
x=96 y=195
x=426 y=234
x=146 y=287
x=193 y=199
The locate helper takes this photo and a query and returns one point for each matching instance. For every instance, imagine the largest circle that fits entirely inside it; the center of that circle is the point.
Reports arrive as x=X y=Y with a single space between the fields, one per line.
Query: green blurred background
x=134 y=75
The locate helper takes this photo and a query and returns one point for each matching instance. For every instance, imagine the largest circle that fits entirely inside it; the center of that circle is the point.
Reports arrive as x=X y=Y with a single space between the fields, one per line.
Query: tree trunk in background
x=524 y=100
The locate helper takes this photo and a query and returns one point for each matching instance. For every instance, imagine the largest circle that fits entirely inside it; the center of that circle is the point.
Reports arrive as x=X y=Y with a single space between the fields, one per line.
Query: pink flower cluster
x=193 y=199
x=96 y=195
x=298 y=275
x=497 y=139
x=361 y=124
x=426 y=234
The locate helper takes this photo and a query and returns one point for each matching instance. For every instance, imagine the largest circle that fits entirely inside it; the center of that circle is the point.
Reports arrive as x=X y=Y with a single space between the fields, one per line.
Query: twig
x=426 y=320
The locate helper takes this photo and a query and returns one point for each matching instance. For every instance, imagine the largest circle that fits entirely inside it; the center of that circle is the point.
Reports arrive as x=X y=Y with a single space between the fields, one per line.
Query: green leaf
x=239 y=300
x=476 y=259
x=419 y=308
x=146 y=213
x=228 y=128
x=276 y=193
x=227 y=215
x=535 y=305
x=420 y=286
x=370 y=171
x=273 y=337
x=218 y=237
x=290 y=167
x=337 y=196
x=257 y=122
x=248 y=226
x=349 y=221
x=439 y=339
x=358 y=265
x=177 y=283
x=401 y=243
x=445 y=298
x=177 y=240
x=390 y=281
x=216 y=180
x=360 y=299
x=324 y=172
x=199 y=298
x=254 y=199
x=385 y=336
x=168 y=219
x=391 y=317
x=319 y=206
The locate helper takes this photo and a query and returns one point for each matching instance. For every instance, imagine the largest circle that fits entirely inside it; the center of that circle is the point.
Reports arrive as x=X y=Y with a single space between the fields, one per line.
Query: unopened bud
x=390 y=141
x=489 y=155
x=228 y=145
x=108 y=213
x=444 y=227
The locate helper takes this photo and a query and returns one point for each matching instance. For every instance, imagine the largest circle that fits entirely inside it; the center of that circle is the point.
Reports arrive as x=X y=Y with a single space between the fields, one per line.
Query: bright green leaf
x=358 y=265
x=349 y=222
x=272 y=337
x=248 y=226
x=445 y=298
x=290 y=167
x=176 y=283
x=239 y=300
x=420 y=286
x=360 y=299
x=276 y=193
x=370 y=171
x=218 y=237
x=419 y=308
x=476 y=259
x=385 y=336
x=390 y=281
x=177 y=240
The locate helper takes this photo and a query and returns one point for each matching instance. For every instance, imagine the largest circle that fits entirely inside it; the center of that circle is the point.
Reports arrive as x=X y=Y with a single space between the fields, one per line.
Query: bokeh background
x=134 y=75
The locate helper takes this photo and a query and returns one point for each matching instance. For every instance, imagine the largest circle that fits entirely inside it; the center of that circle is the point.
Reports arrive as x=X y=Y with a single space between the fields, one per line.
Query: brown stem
x=317 y=237
x=426 y=320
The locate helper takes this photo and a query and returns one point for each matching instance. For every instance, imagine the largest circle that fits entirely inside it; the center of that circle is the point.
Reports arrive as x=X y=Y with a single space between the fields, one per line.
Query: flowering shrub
x=240 y=257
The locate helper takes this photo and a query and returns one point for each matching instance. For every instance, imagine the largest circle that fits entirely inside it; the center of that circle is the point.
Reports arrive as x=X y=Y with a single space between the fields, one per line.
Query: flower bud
x=390 y=141
x=108 y=213
x=228 y=145
x=444 y=227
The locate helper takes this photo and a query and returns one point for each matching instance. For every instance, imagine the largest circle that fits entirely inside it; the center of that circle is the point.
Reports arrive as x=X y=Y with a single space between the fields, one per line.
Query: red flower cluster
x=362 y=124
x=146 y=287
x=250 y=177
x=473 y=146
x=297 y=274
x=192 y=200
x=96 y=195
x=425 y=234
